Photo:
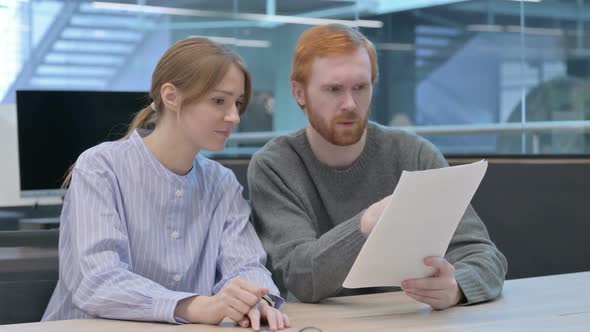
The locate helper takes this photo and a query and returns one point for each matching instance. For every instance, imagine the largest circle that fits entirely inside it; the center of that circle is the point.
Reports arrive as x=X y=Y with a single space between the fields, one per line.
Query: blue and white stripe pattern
x=136 y=238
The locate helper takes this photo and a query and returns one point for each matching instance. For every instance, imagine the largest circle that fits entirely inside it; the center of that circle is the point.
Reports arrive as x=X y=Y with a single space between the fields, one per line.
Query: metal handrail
x=476 y=129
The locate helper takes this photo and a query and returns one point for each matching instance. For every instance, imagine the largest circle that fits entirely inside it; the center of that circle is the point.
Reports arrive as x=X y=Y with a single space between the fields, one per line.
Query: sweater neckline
x=357 y=167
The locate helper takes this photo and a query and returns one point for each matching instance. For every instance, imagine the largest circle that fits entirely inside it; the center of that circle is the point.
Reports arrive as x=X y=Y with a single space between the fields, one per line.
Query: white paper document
x=420 y=220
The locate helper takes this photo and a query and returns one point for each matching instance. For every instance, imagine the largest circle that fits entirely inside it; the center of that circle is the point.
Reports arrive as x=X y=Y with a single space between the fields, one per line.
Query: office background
x=503 y=79
x=476 y=77
x=443 y=62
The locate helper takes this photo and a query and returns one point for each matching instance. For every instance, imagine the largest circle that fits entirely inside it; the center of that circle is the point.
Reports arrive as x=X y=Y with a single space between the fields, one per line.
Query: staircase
x=84 y=49
x=436 y=44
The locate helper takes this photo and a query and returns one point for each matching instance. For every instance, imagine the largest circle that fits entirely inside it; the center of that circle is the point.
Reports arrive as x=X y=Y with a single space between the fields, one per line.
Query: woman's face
x=209 y=121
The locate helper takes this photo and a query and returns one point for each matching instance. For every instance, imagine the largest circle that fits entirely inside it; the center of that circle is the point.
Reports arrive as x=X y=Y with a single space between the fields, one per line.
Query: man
x=318 y=192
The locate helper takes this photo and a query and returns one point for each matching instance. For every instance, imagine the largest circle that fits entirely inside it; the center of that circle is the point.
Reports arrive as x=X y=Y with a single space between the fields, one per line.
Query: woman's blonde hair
x=195 y=66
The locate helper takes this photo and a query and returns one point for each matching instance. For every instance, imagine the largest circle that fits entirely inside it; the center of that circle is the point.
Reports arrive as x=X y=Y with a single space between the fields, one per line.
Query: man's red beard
x=349 y=133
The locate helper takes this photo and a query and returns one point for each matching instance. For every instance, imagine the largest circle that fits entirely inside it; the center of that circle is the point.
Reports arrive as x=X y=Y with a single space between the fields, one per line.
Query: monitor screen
x=55 y=127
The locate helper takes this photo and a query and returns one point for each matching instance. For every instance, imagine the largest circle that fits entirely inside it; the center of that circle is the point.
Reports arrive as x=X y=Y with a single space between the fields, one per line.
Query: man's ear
x=170 y=97
x=299 y=94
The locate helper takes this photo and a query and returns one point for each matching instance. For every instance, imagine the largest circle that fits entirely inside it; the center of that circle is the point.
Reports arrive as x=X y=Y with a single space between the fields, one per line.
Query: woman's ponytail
x=144 y=119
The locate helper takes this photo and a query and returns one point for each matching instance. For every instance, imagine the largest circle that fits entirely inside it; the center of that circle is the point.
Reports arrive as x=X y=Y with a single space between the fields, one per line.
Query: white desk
x=554 y=303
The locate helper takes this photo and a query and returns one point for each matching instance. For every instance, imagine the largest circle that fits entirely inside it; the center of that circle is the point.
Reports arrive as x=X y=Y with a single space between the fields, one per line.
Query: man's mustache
x=346 y=118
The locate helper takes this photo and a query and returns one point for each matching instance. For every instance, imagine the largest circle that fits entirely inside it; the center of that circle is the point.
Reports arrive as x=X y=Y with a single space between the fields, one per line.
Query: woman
x=153 y=231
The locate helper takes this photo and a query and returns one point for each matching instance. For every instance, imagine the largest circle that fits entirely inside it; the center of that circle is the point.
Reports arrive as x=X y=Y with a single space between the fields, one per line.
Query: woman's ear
x=170 y=97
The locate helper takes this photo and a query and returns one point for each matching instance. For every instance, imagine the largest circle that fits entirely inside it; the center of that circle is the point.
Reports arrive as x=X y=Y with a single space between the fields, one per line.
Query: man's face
x=338 y=96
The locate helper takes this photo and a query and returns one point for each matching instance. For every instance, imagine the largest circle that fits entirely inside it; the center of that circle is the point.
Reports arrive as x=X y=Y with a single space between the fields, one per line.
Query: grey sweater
x=308 y=214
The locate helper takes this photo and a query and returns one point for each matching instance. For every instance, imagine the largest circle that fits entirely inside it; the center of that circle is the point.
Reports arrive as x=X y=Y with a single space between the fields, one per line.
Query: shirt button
x=175 y=235
x=177 y=278
x=179 y=193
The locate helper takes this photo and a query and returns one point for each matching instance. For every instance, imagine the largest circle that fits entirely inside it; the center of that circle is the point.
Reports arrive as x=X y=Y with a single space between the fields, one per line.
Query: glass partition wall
x=484 y=77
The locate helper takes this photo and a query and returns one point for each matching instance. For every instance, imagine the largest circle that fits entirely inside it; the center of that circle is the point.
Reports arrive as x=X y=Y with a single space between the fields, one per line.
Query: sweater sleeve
x=480 y=266
x=310 y=266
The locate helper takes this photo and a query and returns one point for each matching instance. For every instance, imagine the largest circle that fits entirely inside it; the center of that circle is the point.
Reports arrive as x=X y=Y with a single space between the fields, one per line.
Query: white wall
x=9 y=171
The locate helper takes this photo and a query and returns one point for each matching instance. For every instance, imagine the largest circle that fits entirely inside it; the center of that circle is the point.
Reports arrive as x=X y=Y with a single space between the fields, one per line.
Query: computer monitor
x=55 y=127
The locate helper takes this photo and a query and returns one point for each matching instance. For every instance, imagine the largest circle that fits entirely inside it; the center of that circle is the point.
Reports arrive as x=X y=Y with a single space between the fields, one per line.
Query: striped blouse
x=135 y=238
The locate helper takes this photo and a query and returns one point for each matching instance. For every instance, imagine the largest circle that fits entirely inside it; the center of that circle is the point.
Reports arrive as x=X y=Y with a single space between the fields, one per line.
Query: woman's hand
x=264 y=312
x=234 y=301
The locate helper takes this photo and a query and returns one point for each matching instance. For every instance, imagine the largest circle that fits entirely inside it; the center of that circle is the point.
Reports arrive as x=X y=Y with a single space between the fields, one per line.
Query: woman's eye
x=218 y=101
x=239 y=104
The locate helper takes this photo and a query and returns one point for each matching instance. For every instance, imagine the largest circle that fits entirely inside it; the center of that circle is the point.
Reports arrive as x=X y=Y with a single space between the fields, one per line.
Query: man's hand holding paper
x=372 y=215
x=440 y=291
x=407 y=242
